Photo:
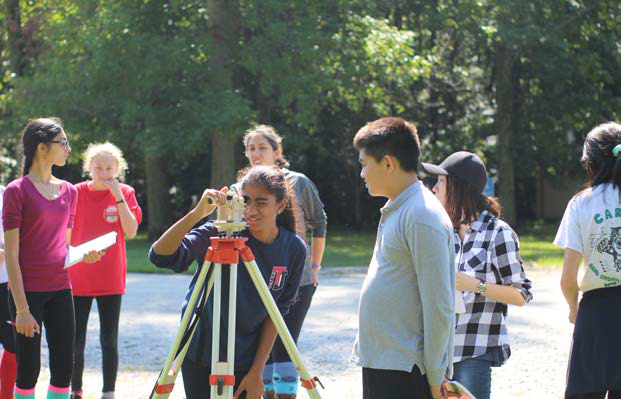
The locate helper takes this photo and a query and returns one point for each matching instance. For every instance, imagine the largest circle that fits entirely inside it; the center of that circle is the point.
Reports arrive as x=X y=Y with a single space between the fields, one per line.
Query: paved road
x=540 y=339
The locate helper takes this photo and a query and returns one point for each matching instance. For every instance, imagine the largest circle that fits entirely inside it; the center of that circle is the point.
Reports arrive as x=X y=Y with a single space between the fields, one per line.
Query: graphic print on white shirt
x=111 y=214
x=608 y=243
x=591 y=225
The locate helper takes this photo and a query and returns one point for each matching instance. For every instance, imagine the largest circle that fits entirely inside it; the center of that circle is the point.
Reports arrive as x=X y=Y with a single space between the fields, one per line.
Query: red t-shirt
x=96 y=215
x=42 y=225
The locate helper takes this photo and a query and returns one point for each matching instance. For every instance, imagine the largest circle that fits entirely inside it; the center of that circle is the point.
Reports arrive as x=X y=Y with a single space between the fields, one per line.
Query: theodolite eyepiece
x=229 y=216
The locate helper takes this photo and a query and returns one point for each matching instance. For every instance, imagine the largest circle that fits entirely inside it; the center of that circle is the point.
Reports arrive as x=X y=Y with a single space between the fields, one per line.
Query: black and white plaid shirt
x=490 y=253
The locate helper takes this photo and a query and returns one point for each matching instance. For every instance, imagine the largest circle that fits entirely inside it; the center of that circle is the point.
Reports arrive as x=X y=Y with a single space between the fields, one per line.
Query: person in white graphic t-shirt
x=591 y=230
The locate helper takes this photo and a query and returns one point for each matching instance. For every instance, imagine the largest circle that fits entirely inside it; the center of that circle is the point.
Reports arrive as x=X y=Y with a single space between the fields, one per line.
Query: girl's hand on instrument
x=26 y=324
x=204 y=208
x=93 y=256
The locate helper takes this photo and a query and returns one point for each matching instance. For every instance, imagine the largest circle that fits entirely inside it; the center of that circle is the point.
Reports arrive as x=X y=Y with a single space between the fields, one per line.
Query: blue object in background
x=488 y=191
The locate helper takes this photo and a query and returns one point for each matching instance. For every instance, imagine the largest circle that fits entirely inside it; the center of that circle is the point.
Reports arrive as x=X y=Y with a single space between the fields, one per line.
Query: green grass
x=354 y=248
x=536 y=244
x=137 y=256
x=344 y=248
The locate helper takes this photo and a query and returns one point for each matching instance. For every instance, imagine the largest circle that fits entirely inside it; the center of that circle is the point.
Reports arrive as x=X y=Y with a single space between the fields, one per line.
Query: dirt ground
x=540 y=337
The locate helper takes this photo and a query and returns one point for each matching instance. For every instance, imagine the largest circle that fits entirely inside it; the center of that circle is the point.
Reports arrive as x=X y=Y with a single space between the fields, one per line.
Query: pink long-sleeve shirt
x=42 y=225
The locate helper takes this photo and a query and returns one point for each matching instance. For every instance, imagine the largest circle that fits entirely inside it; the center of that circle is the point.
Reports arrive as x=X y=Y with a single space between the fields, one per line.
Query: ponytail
x=600 y=156
x=37 y=131
x=616 y=173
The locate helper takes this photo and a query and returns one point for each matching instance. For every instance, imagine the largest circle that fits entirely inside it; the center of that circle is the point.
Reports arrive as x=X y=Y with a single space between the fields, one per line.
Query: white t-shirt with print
x=591 y=225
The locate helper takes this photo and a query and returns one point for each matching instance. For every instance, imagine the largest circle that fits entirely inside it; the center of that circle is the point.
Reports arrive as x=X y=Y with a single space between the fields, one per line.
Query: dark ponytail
x=37 y=131
x=273 y=180
x=598 y=156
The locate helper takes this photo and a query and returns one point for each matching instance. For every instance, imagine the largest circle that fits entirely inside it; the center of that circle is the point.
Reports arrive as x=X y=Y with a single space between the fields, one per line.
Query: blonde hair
x=95 y=149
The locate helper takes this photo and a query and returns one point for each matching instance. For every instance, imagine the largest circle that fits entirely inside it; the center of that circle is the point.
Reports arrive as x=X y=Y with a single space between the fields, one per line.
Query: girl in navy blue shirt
x=280 y=255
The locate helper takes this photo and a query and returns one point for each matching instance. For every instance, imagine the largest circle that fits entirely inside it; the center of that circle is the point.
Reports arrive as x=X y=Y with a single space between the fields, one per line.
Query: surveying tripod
x=225 y=250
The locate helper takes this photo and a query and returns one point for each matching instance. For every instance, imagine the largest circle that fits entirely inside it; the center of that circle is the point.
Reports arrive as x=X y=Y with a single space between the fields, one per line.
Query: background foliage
x=175 y=83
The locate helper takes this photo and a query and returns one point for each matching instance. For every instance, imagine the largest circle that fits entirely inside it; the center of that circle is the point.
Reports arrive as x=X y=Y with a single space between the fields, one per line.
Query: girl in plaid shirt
x=591 y=230
x=489 y=270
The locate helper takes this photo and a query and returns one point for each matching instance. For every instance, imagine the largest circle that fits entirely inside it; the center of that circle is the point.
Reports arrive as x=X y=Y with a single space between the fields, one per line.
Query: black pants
x=196 y=380
x=394 y=384
x=7 y=337
x=597 y=395
x=109 y=308
x=294 y=320
x=54 y=311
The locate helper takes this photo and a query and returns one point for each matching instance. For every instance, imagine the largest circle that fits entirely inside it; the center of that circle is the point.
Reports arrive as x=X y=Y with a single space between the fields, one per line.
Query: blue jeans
x=476 y=373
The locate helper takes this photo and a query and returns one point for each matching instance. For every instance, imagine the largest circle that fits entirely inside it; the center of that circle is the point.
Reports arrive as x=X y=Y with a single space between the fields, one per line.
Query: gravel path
x=539 y=331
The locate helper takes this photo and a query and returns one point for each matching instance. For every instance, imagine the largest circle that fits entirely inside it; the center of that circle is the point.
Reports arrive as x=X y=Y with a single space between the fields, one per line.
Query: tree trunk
x=222 y=160
x=158 y=206
x=224 y=33
x=505 y=122
x=14 y=31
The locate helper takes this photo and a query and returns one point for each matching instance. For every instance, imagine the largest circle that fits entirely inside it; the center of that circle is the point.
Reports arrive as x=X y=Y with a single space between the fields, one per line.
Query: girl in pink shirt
x=38 y=214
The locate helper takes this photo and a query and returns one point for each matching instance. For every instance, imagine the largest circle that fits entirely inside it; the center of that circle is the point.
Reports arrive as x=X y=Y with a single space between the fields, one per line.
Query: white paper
x=460 y=306
x=76 y=254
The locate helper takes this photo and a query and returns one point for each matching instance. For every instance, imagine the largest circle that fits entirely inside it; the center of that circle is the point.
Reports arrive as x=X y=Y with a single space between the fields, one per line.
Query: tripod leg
x=166 y=379
x=230 y=352
x=221 y=371
x=215 y=335
x=281 y=327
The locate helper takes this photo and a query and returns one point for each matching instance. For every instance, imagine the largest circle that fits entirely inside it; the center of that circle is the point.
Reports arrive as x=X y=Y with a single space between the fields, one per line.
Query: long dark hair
x=464 y=202
x=598 y=159
x=37 y=131
x=273 y=180
x=272 y=137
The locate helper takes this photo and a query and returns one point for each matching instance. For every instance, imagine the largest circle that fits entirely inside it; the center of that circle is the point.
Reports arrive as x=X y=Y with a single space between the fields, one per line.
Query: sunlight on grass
x=355 y=247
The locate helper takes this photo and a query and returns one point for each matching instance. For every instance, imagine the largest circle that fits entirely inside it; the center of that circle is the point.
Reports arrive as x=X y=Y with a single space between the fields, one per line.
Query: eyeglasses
x=64 y=143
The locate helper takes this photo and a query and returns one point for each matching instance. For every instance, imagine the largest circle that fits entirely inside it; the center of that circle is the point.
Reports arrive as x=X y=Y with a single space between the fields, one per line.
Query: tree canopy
x=175 y=83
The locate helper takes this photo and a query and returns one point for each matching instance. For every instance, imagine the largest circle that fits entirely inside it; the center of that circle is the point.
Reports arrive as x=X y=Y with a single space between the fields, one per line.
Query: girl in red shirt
x=104 y=205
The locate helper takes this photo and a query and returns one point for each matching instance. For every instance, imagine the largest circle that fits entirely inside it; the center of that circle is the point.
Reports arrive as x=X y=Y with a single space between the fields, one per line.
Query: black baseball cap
x=463 y=165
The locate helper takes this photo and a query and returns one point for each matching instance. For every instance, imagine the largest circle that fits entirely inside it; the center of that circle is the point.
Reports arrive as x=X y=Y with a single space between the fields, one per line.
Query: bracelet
x=120 y=201
x=24 y=310
x=315 y=266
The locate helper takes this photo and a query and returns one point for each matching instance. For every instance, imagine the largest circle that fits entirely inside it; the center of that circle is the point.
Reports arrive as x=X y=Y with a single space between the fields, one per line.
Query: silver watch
x=481 y=288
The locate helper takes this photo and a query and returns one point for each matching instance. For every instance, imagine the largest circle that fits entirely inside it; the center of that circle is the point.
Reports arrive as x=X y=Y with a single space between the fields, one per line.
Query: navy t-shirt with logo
x=281 y=263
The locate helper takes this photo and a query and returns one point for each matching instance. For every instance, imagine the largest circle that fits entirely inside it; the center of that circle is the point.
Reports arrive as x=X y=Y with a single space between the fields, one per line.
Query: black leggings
x=54 y=311
x=7 y=338
x=294 y=320
x=109 y=308
x=615 y=394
